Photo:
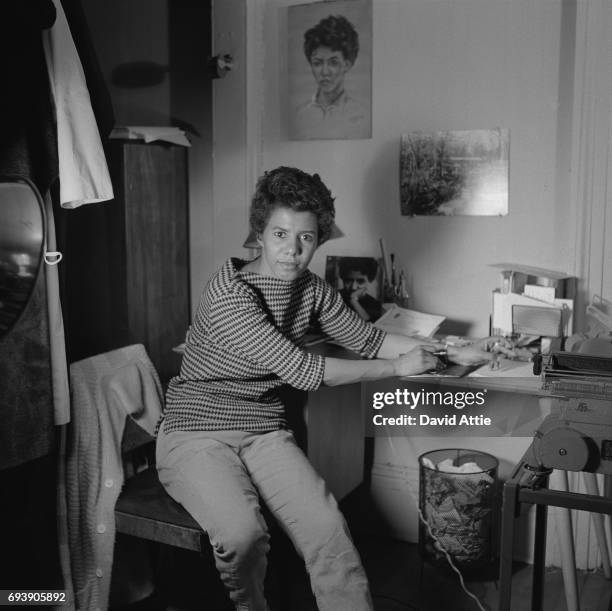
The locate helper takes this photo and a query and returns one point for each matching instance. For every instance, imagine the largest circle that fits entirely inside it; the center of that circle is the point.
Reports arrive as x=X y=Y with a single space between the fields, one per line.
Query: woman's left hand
x=496 y=344
x=481 y=351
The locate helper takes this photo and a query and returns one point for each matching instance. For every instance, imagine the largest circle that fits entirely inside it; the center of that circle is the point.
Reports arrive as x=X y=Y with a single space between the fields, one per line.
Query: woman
x=223 y=443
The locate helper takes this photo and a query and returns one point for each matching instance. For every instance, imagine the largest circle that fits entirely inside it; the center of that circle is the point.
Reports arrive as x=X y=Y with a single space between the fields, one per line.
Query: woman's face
x=288 y=243
x=356 y=280
x=329 y=69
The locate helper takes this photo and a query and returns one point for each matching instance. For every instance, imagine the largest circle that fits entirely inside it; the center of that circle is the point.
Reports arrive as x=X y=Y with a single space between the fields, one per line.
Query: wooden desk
x=334 y=428
x=329 y=424
x=512 y=377
x=522 y=386
x=523 y=383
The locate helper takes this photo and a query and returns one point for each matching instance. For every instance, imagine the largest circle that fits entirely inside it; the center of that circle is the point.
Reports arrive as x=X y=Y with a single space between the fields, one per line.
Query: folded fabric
x=106 y=390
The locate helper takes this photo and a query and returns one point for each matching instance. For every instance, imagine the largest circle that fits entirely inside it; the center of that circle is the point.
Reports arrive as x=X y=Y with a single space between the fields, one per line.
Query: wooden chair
x=144 y=509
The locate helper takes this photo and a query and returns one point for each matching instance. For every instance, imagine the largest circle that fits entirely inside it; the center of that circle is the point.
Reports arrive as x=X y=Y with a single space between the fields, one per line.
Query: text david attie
x=415 y=400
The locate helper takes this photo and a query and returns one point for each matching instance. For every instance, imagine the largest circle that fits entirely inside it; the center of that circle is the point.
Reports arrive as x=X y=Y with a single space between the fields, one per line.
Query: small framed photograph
x=359 y=282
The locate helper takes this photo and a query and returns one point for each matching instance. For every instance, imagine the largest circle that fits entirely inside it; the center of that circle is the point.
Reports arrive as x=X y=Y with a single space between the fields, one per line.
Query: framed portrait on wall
x=329 y=70
x=359 y=282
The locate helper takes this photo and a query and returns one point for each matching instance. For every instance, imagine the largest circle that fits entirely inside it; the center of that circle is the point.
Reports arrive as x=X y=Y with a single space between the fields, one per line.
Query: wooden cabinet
x=127 y=261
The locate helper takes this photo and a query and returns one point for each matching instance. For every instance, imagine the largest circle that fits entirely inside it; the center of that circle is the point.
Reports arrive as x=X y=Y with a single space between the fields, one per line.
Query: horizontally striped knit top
x=246 y=342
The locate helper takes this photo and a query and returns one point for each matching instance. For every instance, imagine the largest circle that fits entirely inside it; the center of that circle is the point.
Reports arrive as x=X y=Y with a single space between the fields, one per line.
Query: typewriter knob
x=563 y=448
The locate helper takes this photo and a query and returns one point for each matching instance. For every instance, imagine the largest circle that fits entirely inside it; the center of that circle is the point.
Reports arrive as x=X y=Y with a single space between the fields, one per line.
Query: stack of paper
x=150 y=133
x=506 y=369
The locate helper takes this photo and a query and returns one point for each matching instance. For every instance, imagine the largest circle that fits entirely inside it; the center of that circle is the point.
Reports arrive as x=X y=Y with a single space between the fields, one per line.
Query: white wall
x=591 y=149
x=228 y=216
x=439 y=65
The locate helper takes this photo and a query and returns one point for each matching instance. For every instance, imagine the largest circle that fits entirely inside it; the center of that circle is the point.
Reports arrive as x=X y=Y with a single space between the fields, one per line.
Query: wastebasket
x=457 y=499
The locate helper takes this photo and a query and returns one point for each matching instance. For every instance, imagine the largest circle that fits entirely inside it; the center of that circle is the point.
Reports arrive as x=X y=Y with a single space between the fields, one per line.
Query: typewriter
x=577 y=434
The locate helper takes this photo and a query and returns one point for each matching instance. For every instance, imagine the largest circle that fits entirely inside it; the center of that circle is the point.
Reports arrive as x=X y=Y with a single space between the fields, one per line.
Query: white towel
x=83 y=172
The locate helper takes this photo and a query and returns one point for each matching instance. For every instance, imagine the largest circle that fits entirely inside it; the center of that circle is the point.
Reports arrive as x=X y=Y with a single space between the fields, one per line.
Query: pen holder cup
x=458 y=501
x=390 y=295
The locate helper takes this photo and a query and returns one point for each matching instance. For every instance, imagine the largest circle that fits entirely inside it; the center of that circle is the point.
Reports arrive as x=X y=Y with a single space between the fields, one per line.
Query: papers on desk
x=506 y=369
x=409 y=322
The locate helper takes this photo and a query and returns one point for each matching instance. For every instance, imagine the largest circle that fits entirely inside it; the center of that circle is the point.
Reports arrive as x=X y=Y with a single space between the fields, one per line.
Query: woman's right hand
x=357 y=294
x=418 y=360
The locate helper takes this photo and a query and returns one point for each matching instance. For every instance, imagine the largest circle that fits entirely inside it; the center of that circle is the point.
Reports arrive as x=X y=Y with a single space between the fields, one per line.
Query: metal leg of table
x=529 y=487
x=509 y=508
x=539 y=558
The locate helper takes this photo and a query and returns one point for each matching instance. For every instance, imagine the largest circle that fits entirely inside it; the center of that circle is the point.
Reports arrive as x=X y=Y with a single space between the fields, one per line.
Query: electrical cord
x=431 y=534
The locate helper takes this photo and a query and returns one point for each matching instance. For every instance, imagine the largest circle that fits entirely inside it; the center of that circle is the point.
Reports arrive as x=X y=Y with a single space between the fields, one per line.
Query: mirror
x=22 y=231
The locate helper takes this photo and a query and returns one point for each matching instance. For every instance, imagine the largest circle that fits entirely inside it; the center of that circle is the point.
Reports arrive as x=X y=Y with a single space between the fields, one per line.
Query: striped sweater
x=247 y=341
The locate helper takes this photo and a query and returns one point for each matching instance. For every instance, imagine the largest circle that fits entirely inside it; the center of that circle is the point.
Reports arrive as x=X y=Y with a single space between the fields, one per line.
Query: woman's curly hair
x=335 y=32
x=295 y=189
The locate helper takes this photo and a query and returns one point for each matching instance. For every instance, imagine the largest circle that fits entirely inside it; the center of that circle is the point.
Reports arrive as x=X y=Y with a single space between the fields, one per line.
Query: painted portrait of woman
x=329 y=70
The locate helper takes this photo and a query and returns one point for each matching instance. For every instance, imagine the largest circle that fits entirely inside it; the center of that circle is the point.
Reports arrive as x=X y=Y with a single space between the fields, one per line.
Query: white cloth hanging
x=83 y=172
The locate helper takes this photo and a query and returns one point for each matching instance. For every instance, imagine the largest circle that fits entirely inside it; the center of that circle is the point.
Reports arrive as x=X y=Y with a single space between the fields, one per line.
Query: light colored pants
x=218 y=476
